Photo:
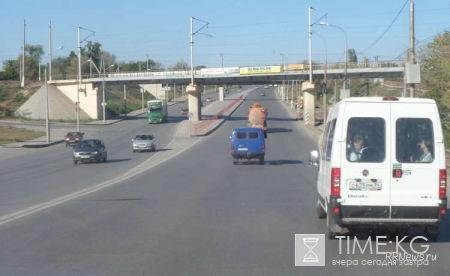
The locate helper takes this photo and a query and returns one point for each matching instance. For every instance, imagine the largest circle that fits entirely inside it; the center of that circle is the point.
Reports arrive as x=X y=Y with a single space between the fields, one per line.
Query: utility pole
x=324 y=92
x=125 y=98
x=22 y=84
x=221 y=55
x=412 y=58
x=192 y=51
x=310 y=47
x=50 y=50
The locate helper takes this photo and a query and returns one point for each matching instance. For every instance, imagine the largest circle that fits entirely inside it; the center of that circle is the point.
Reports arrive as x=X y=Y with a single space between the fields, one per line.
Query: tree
x=132 y=66
x=108 y=59
x=435 y=65
x=33 y=55
x=11 y=72
x=180 y=66
x=93 y=52
x=352 y=55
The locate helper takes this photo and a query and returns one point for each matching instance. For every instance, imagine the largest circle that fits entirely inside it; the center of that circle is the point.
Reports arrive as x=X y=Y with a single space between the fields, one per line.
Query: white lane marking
x=86 y=191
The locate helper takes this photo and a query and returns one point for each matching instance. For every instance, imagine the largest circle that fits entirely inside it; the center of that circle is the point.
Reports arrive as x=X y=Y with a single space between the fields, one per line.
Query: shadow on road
x=278 y=130
x=283 y=162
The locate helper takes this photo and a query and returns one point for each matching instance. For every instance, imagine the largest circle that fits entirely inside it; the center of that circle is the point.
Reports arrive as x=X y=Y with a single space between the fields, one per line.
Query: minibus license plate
x=365 y=186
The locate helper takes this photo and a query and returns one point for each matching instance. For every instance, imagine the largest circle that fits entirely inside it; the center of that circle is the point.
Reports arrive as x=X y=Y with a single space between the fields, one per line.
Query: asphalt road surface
x=188 y=213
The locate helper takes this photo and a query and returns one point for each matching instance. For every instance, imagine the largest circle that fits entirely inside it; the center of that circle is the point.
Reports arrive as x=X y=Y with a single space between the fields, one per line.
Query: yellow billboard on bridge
x=259 y=70
x=298 y=66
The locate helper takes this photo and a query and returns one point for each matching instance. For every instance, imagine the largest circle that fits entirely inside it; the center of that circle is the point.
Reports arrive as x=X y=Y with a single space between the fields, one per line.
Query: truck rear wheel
x=235 y=161
x=261 y=160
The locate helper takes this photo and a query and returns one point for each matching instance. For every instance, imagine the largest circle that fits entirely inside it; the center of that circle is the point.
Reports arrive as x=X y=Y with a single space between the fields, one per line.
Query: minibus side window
x=414 y=140
x=329 y=140
x=323 y=141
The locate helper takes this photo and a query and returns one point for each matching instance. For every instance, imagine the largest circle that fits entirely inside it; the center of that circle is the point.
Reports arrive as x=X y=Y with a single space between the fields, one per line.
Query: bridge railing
x=355 y=65
x=186 y=73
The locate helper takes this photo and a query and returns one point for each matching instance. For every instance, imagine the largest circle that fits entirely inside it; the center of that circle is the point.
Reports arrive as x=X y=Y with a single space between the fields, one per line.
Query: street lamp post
x=103 y=92
x=47 y=125
x=79 y=80
x=79 y=74
x=324 y=87
x=103 y=84
x=346 y=50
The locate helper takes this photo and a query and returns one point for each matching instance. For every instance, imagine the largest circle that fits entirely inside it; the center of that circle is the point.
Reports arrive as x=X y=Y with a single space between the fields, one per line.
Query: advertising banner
x=259 y=70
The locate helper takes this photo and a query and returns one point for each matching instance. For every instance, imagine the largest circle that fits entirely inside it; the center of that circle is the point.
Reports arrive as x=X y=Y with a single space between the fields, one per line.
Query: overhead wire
x=387 y=29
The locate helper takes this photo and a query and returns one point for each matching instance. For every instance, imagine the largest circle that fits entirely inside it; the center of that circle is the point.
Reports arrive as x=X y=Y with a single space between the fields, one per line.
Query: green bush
x=115 y=108
x=446 y=131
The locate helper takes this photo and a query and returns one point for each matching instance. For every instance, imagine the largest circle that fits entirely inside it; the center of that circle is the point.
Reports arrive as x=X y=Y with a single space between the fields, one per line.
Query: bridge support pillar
x=221 y=94
x=194 y=98
x=309 y=105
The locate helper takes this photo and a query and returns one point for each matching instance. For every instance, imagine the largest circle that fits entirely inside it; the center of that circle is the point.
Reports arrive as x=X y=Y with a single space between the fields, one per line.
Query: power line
x=378 y=39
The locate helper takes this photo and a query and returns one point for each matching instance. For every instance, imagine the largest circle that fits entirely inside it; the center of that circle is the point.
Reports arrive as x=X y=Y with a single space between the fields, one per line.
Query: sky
x=238 y=32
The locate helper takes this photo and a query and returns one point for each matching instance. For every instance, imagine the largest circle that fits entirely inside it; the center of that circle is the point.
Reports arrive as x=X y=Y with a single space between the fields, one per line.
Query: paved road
x=196 y=214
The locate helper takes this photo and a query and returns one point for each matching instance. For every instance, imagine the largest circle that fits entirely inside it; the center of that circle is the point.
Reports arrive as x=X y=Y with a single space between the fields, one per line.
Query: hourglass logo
x=309 y=250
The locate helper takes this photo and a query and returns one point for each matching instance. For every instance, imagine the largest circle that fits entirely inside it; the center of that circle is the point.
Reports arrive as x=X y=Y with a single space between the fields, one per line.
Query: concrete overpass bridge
x=91 y=96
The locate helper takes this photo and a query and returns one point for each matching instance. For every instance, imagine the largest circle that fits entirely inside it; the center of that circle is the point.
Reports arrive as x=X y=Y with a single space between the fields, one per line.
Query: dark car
x=184 y=111
x=72 y=138
x=89 y=150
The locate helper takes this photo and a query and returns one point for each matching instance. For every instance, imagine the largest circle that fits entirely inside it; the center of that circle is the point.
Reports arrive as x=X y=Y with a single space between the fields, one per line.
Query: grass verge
x=10 y=135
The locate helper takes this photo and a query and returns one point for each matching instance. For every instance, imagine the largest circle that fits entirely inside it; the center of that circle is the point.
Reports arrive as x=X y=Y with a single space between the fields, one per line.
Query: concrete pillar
x=309 y=104
x=221 y=93
x=194 y=97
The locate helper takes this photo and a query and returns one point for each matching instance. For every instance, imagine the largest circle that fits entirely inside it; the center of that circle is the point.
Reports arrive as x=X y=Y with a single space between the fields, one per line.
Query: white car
x=144 y=142
x=208 y=99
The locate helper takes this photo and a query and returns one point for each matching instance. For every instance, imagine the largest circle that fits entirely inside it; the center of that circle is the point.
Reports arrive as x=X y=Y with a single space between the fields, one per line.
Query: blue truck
x=248 y=143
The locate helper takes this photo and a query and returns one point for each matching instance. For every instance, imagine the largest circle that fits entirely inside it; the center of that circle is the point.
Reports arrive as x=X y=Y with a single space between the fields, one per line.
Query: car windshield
x=89 y=144
x=144 y=137
x=73 y=134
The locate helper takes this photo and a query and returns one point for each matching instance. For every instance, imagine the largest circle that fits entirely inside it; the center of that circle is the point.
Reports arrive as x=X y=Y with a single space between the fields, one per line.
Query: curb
x=42 y=145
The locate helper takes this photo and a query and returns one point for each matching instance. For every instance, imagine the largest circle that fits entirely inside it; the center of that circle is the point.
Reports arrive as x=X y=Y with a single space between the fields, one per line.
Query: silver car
x=89 y=150
x=144 y=142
